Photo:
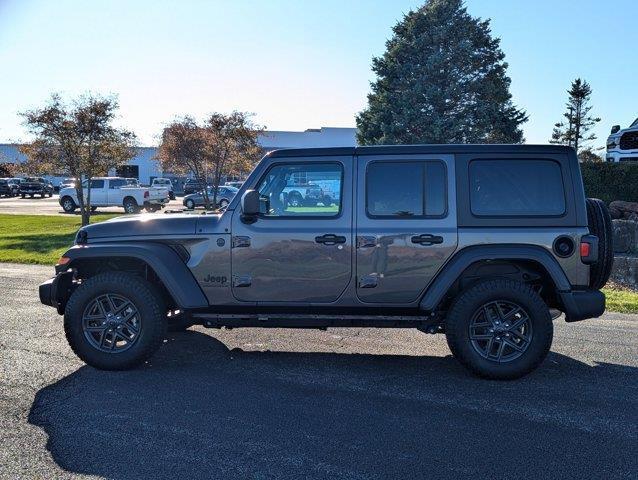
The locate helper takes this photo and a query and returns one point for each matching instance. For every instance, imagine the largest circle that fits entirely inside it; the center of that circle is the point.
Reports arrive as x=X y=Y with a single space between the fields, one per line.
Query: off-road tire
x=149 y=305
x=599 y=221
x=457 y=328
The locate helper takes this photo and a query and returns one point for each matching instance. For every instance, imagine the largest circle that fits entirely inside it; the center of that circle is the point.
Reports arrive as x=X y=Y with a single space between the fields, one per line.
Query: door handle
x=427 y=239
x=330 y=239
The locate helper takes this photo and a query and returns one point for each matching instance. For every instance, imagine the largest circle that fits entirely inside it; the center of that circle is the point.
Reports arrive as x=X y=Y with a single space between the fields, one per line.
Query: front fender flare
x=165 y=262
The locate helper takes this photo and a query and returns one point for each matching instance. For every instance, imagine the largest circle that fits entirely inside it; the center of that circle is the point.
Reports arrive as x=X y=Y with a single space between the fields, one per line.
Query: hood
x=153 y=225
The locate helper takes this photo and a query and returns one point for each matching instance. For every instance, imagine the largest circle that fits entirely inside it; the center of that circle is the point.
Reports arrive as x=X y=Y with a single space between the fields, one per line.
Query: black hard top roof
x=416 y=149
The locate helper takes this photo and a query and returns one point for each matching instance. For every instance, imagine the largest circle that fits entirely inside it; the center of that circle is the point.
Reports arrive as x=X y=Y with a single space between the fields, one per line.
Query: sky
x=295 y=64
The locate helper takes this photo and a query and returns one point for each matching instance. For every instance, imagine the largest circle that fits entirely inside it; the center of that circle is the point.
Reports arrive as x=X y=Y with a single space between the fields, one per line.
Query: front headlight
x=612 y=142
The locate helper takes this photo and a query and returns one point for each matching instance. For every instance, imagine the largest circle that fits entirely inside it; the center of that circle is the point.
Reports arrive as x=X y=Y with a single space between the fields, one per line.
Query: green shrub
x=611 y=181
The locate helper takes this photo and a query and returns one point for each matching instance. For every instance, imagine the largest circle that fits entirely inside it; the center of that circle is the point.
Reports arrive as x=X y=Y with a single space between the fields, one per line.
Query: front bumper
x=582 y=304
x=56 y=291
x=621 y=155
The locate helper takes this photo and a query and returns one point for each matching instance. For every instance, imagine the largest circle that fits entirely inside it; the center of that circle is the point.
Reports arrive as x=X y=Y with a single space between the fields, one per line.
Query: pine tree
x=574 y=130
x=442 y=79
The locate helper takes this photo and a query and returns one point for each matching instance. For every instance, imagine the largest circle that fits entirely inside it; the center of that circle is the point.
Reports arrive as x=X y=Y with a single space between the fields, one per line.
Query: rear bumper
x=582 y=304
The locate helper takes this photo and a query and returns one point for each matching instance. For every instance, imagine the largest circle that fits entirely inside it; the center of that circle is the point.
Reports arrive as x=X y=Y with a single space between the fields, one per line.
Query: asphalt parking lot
x=344 y=403
x=50 y=206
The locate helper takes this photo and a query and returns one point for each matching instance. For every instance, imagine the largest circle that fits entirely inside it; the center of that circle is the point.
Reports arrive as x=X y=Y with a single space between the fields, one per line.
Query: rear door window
x=406 y=189
x=113 y=184
x=516 y=188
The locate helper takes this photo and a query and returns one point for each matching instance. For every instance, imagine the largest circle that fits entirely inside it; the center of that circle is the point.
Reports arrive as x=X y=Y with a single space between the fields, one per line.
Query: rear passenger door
x=406 y=224
x=114 y=195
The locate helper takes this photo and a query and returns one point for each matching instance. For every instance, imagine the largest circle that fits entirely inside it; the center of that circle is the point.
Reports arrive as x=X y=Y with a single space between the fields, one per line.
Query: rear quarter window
x=516 y=188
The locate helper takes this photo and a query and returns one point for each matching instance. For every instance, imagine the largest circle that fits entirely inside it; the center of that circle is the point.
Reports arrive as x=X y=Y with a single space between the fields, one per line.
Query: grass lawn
x=621 y=299
x=39 y=239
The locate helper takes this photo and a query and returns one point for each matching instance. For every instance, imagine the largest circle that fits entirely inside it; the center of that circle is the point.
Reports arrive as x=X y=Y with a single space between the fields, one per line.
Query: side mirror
x=615 y=129
x=250 y=206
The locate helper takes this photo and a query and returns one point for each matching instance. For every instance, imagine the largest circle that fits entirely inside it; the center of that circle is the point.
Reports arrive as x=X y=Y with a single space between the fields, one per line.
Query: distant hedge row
x=611 y=181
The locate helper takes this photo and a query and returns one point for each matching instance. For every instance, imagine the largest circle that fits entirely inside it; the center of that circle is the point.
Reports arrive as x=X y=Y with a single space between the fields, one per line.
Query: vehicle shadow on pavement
x=199 y=410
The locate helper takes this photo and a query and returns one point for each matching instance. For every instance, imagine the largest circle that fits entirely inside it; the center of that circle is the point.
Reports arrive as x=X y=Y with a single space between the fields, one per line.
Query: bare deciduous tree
x=77 y=140
x=221 y=145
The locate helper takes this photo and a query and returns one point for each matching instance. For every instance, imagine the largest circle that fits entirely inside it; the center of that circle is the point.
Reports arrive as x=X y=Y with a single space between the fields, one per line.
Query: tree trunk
x=88 y=201
x=205 y=194
x=80 y=194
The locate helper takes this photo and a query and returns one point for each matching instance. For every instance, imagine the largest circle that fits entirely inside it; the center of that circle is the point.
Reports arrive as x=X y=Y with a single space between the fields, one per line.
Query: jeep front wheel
x=115 y=321
x=499 y=329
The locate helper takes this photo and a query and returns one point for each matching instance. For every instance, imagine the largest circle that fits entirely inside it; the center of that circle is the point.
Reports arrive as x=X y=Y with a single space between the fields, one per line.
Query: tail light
x=146 y=194
x=589 y=249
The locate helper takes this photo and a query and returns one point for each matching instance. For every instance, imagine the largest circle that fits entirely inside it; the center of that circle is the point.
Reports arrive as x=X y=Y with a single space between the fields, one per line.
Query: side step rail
x=295 y=320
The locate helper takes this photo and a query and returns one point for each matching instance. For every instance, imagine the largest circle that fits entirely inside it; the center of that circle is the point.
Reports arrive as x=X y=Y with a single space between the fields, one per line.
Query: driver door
x=292 y=253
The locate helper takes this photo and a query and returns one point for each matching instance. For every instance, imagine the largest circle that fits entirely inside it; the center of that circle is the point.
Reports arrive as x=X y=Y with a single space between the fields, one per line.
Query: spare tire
x=599 y=221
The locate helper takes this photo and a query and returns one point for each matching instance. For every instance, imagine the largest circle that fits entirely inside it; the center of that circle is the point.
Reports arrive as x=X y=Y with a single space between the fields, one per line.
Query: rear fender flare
x=453 y=269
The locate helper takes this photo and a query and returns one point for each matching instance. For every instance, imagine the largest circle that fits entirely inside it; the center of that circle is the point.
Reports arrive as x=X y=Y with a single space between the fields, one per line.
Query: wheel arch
x=158 y=262
x=532 y=263
x=129 y=197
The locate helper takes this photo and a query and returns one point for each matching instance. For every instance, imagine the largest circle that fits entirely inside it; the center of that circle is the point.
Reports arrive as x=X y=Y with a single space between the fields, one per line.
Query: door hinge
x=242 y=280
x=369 y=281
x=366 y=241
x=241 y=241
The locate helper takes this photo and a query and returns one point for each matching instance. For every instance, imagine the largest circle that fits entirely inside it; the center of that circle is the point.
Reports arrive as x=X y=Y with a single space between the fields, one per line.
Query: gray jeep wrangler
x=484 y=243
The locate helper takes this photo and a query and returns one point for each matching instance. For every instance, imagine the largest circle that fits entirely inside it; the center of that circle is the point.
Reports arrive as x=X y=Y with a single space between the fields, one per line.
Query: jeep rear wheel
x=499 y=329
x=115 y=321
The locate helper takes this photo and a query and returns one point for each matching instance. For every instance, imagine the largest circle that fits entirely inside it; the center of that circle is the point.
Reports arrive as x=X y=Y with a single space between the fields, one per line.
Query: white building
x=145 y=168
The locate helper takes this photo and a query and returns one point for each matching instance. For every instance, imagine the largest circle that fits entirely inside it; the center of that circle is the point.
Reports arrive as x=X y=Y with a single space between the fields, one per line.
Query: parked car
x=116 y=191
x=36 y=186
x=5 y=188
x=483 y=243
x=225 y=195
x=14 y=185
x=622 y=145
x=165 y=183
x=192 y=186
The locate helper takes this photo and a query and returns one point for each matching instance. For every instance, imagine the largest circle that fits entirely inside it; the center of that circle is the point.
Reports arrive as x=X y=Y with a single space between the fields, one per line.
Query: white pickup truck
x=622 y=145
x=116 y=191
